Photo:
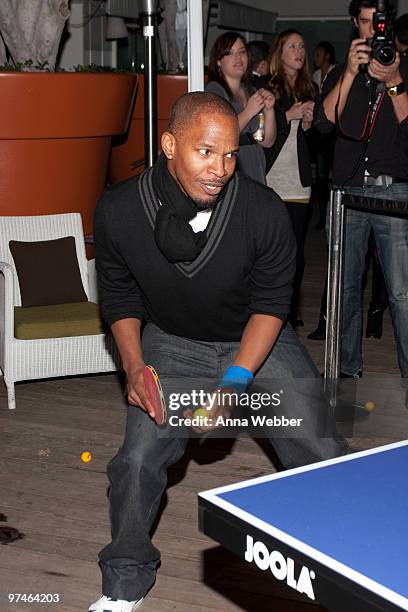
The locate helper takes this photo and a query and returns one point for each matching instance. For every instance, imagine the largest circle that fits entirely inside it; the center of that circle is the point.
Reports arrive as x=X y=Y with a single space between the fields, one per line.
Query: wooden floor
x=59 y=503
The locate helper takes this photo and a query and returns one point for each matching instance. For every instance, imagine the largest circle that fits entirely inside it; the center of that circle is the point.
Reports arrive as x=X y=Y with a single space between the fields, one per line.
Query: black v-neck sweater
x=246 y=266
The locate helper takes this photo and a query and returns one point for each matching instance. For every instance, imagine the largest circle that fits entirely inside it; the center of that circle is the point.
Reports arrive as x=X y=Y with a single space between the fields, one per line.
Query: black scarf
x=173 y=234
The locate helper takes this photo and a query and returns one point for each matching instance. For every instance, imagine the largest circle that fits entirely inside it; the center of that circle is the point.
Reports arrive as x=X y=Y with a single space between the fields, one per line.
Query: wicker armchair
x=28 y=359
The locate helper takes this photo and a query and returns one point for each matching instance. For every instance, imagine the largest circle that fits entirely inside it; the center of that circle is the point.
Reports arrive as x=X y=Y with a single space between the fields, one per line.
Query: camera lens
x=385 y=55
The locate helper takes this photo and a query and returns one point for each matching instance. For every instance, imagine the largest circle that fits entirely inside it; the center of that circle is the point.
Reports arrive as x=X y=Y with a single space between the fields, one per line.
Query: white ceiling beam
x=195 y=50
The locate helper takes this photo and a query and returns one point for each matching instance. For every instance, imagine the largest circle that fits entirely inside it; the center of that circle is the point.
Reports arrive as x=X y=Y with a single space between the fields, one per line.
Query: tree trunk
x=3 y=56
x=32 y=29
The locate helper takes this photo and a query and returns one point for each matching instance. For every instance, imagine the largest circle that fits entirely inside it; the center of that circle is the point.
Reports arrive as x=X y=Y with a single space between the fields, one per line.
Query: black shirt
x=246 y=266
x=260 y=82
x=386 y=151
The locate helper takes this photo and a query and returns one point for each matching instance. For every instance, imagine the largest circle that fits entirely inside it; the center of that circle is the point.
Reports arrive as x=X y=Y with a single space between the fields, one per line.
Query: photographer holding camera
x=367 y=102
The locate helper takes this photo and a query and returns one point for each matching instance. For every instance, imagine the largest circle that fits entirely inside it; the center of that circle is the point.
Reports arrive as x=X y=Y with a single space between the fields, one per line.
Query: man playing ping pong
x=205 y=257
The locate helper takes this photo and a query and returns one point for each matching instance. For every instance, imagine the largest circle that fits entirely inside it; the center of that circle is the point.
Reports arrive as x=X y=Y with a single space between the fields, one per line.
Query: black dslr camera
x=382 y=43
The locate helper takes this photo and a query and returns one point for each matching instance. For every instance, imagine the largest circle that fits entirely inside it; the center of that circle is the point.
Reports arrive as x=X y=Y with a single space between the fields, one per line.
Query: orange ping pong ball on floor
x=86 y=456
x=370 y=405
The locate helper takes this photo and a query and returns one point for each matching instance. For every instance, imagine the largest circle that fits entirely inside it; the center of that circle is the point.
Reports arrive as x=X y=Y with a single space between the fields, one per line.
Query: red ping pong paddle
x=155 y=394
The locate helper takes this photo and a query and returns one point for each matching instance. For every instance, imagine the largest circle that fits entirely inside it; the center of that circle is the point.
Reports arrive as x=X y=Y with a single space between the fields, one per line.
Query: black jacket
x=283 y=129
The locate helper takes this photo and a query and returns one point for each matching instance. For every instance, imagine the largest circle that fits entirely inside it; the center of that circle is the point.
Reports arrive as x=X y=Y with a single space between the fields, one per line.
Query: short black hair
x=355 y=7
x=258 y=50
x=328 y=49
x=187 y=109
x=401 y=29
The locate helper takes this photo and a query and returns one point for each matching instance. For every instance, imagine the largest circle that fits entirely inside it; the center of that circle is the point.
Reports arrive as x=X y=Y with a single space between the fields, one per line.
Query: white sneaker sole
x=101 y=607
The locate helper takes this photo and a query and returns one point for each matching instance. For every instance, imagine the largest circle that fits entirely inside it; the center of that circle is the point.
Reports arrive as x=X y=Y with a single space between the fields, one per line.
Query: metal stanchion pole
x=334 y=295
x=149 y=15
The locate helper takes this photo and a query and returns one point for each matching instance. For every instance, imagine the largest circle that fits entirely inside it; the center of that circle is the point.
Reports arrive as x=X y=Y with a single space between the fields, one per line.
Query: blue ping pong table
x=336 y=531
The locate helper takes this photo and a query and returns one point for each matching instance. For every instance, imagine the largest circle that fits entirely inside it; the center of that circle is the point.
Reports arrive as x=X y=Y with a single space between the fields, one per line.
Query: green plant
x=31 y=66
x=26 y=66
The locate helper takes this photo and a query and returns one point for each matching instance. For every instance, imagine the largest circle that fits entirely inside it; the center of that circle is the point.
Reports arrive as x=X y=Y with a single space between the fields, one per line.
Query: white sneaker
x=106 y=604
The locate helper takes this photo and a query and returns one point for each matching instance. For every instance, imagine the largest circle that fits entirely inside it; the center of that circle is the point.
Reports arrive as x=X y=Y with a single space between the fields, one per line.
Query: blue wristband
x=237 y=378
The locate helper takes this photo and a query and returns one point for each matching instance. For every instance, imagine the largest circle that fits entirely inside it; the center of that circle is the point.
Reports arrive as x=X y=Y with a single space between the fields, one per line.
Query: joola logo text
x=283 y=568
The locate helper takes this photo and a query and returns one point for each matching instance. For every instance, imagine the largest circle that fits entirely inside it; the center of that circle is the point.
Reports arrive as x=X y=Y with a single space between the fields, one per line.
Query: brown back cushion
x=48 y=272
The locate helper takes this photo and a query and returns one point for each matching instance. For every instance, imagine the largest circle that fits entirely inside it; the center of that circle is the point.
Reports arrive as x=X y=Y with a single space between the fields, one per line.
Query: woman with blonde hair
x=288 y=166
x=229 y=76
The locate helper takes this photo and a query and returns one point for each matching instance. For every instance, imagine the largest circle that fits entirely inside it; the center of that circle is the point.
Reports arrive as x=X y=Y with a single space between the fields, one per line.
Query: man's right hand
x=221 y=408
x=135 y=389
x=359 y=53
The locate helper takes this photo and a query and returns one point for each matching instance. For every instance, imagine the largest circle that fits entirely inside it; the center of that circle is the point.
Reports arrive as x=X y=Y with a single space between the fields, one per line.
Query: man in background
x=258 y=55
x=368 y=104
x=324 y=61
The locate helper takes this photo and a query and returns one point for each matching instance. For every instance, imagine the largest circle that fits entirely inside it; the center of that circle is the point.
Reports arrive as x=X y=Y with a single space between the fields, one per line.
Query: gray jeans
x=138 y=473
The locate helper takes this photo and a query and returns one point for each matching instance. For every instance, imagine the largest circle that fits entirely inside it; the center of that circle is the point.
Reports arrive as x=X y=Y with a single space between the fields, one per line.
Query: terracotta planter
x=129 y=148
x=55 y=138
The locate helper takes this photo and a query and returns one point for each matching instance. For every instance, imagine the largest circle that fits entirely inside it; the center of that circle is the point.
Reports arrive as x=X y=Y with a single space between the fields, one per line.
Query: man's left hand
x=390 y=75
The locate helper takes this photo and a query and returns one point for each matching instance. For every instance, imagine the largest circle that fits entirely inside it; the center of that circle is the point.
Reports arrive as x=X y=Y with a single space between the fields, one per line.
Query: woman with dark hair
x=290 y=173
x=229 y=76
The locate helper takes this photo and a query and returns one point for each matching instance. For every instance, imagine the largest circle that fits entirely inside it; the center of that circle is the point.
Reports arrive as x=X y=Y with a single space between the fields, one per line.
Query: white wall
x=312 y=8
x=302 y=8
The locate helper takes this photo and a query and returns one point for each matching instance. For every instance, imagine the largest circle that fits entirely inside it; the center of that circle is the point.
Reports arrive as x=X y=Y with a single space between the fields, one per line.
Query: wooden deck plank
x=60 y=503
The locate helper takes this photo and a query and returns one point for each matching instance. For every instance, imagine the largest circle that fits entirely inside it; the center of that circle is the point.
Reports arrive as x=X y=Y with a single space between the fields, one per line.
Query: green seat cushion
x=58 y=321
